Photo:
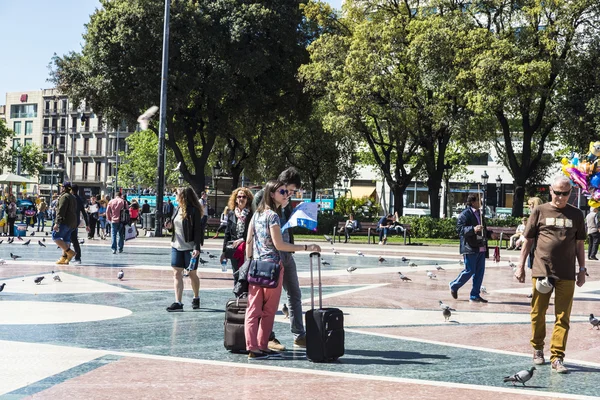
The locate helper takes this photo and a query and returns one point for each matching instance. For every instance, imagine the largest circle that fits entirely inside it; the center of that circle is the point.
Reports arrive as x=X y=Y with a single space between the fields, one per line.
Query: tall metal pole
x=52 y=171
x=160 y=181
x=117 y=164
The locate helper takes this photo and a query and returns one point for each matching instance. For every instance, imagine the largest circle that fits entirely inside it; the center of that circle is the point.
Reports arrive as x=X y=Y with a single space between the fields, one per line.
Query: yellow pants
x=563 y=302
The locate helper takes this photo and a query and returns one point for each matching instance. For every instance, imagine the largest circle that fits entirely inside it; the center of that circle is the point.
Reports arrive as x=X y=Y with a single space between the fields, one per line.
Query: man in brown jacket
x=66 y=222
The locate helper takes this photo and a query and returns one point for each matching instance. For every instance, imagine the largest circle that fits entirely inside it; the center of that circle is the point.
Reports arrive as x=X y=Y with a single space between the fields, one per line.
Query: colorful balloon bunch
x=586 y=173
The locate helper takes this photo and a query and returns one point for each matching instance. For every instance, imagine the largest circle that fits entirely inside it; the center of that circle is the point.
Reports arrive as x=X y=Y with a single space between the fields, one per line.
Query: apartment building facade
x=77 y=143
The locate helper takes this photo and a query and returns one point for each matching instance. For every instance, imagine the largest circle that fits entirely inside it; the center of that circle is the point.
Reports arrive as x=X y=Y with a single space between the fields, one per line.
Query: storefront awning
x=358 y=192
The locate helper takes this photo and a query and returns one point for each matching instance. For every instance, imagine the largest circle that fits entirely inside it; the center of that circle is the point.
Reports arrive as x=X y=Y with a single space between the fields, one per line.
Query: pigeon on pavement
x=10 y=240
x=202 y=261
x=2 y=261
x=328 y=238
x=444 y=306
x=285 y=310
x=41 y=244
x=335 y=251
x=483 y=290
x=439 y=267
x=1 y=241
x=520 y=377
x=2 y=287
x=381 y=259
x=595 y=322
x=19 y=238
x=351 y=268
x=212 y=256
x=404 y=259
x=412 y=264
x=38 y=280
x=14 y=256
x=431 y=275
x=120 y=275
x=461 y=263
x=447 y=314
x=57 y=278
x=82 y=241
x=32 y=233
x=404 y=278
x=46 y=233
x=27 y=243
x=325 y=262
x=360 y=253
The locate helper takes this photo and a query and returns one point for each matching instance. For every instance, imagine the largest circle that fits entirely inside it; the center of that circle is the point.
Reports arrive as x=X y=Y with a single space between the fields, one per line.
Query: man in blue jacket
x=472 y=233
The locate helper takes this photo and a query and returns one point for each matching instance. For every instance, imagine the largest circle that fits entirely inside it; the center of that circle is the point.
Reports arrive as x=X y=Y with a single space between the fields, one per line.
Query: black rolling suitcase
x=324 y=326
x=235 y=312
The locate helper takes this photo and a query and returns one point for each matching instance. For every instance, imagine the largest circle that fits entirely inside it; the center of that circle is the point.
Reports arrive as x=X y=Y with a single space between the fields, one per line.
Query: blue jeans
x=41 y=219
x=474 y=267
x=117 y=228
x=383 y=232
x=294 y=295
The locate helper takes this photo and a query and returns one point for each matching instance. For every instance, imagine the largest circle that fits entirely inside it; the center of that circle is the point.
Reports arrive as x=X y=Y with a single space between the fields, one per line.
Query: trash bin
x=20 y=229
x=149 y=221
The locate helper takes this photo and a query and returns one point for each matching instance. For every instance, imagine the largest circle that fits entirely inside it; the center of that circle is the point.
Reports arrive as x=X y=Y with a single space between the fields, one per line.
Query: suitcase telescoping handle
x=317 y=256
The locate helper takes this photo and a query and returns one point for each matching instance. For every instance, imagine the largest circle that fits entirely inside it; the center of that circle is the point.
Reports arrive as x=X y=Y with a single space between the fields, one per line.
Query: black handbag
x=264 y=274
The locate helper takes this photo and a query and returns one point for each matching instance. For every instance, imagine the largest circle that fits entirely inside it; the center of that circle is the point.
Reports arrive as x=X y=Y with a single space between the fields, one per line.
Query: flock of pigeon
x=41 y=243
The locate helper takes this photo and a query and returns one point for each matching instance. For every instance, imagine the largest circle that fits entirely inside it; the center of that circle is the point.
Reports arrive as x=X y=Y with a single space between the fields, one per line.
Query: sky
x=32 y=31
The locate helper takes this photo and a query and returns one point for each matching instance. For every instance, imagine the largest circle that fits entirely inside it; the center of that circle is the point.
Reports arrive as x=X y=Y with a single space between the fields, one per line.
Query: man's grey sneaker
x=538 y=357
x=257 y=355
x=558 y=366
x=195 y=304
x=175 y=307
x=276 y=345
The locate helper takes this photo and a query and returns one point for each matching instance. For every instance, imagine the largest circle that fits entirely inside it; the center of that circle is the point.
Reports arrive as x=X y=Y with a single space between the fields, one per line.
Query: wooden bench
x=368 y=229
x=501 y=233
x=212 y=223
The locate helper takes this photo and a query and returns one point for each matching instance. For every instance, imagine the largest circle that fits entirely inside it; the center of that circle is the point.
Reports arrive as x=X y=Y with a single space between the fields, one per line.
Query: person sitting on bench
x=350 y=226
x=516 y=240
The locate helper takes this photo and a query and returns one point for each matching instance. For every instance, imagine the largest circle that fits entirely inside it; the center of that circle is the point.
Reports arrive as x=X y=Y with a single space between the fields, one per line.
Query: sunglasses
x=283 y=192
x=556 y=192
x=242 y=197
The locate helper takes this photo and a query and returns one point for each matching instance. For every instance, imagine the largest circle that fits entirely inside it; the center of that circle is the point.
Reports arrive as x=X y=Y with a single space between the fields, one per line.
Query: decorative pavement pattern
x=93 y=336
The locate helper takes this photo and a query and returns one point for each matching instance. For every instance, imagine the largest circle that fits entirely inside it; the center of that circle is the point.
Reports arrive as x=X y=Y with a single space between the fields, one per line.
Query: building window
x=479 y=159
x=28 y=127
x=16 y=143
x=17 y=127
x=28 y=142
x=23 y=111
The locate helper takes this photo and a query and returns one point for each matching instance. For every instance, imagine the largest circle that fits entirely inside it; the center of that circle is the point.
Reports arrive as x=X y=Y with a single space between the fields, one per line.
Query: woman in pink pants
x=264 y=242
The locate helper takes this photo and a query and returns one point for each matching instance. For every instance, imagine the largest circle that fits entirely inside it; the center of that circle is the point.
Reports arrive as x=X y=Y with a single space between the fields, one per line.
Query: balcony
x=56 y=166
x=62 y=111
x=62 y=130
x=87 y=178
x=48 y=112
x=46 y=130
x=85 y=129
x=48 y=148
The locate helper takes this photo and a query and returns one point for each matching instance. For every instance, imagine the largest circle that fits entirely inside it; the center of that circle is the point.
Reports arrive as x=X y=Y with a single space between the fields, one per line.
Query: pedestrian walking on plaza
x=80 y=213
x=65 y=223
x=134 y=211
x=558 y=229
x=593 y=234
x=292 y=180
x=265 y=243
x=236 y=230
x=92 y=211
x=471 y=230
x=11 y=212
x=145 y=210
x=113 y=217
x=53 y=205
x=41 y=215
x=186 y=227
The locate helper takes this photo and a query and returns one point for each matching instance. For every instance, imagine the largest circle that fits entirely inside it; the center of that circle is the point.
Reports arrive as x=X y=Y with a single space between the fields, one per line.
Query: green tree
x=226 y=58
x=32 y=160
x=6 y=134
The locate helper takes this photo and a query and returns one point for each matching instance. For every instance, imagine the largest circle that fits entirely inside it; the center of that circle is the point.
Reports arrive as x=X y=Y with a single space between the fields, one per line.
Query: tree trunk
x=236 y=171
x=313 y=188
x=398 y=191
x=518 y=199
x=198 y=184
x=434 y=201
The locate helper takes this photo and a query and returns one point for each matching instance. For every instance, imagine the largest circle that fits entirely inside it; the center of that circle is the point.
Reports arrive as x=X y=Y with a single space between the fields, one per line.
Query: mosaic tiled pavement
x=93 y=336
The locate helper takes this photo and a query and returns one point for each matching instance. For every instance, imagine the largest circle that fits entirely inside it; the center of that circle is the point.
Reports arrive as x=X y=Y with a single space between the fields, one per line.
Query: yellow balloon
x=593 y=203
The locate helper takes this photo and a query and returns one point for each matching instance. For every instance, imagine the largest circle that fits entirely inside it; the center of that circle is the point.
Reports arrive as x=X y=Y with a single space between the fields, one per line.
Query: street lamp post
x=498 y=190
x=216 y=173
x=447 y=168
x=484 y=182
x=18 y=149
x=347 y=187
x=180 y=178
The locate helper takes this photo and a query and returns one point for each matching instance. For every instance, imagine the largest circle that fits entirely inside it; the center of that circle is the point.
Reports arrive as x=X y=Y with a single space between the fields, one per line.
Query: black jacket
x=469 y=244
x=192 y=227
x=231 y=231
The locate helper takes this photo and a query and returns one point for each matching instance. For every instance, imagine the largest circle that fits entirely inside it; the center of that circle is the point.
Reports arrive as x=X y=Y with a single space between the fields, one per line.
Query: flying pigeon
x=120 y=275
x=285 y=310
x=56 y=278
x=594 y=321
x=41 y=244
x=381 y=259
x=325 y=262
x=38 y=280
x=444 y=306
x=447 y=314
x=360 y=253
x=27 y=243
x=14 y=256
x=484 y=290
x=82 y=241
x=404 y=259
x=520 y=377
x=212 y=256
x=404 y=278
x=431 y=275
x=32 y=233
x=144 y=119
x=328 y=238
x=2 y=287
x=351 y=268
x=412 y=264
x=439 y=267
x=201 y=261
x=177 y=167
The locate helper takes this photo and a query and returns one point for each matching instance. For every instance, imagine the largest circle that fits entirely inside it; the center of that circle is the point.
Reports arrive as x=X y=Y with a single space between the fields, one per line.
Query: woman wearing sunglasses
x=238 y=219
x=187 y=234
x=264 y=242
